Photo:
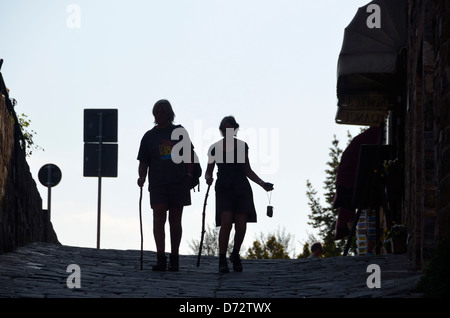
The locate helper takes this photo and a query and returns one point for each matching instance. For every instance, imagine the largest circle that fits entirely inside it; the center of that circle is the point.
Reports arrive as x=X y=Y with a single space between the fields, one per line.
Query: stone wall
x=21 y=217
x=441 y=100
x=427 y=127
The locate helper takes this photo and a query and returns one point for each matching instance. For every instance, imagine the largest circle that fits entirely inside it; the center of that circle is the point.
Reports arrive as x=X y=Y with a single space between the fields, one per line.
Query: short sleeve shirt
x=156 y=150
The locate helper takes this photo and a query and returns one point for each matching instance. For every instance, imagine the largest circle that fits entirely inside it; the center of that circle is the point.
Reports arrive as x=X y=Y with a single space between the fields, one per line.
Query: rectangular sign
x=109 y=160
x=92 y=125
x=360 y=117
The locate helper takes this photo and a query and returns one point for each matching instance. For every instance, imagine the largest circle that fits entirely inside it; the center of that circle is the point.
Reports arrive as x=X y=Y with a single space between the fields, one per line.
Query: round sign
x=49 y=175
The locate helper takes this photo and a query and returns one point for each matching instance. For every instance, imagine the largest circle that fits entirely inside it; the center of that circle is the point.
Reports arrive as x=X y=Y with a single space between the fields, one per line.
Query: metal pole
x=49 y=200
x=100 y=140
x=49 y=190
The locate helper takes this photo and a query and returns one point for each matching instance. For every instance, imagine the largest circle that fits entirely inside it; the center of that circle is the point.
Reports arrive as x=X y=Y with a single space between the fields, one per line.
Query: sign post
x=49 y=176
x=100 y=149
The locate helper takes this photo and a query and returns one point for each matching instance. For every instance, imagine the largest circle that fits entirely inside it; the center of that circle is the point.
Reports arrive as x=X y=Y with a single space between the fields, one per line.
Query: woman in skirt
x=234 y=196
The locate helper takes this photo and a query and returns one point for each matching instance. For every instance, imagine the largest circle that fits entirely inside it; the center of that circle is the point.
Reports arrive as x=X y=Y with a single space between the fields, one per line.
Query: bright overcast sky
x=271 y=64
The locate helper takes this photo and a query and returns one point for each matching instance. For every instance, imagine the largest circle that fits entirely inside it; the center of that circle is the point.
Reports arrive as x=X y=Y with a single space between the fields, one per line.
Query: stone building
x=404 y=87
x=426 y=119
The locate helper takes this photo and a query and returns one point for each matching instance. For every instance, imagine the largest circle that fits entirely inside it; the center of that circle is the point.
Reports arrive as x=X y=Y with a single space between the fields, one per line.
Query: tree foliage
x=306 y=251
x=271 y=246
x=24 y=124
x=210 y=242
x=324 y=217
x=28 y=134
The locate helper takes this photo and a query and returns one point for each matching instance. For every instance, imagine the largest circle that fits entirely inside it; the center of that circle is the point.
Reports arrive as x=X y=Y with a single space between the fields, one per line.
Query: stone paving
x=39 y=270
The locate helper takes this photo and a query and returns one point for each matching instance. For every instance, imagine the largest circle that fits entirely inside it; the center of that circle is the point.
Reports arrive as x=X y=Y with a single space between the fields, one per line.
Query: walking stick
x=140 y=222
x=203 y=227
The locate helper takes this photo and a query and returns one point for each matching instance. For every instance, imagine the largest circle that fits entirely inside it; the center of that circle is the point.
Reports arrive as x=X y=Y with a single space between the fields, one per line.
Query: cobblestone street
x=40 y=270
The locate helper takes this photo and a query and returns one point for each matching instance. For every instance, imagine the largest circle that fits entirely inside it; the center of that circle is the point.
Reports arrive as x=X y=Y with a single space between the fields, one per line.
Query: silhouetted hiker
x=169 y=182
x=316 y=250
x=234 y=196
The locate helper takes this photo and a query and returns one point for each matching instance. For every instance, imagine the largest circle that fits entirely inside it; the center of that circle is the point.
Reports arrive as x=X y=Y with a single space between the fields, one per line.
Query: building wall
x=21 y=217
x=441 y=100
x=427 y=127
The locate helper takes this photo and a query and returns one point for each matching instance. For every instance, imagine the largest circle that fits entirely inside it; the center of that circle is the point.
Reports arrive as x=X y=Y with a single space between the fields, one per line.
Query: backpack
x=197 y=172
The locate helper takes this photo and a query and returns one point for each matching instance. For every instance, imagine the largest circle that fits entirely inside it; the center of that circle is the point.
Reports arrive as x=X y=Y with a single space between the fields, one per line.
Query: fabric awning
x=367 y=72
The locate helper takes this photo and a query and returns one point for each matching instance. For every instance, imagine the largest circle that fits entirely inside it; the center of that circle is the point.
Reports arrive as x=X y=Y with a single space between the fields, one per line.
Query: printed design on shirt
x=165 y=149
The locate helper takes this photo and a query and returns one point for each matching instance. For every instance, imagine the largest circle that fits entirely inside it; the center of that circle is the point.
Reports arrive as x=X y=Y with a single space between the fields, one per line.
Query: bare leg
x=176 y=229
x=159 y=222
x=226 y=219
x=240 y=228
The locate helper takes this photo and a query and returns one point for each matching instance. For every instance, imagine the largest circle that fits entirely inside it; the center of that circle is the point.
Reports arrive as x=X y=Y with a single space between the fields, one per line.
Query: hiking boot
x=161 y=263
x=223 y=265
x=236 y=260
x=173 y=263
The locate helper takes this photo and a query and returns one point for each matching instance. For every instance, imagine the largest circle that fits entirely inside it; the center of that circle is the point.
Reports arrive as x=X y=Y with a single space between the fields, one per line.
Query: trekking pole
x=140 y=222
x=203 y=227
